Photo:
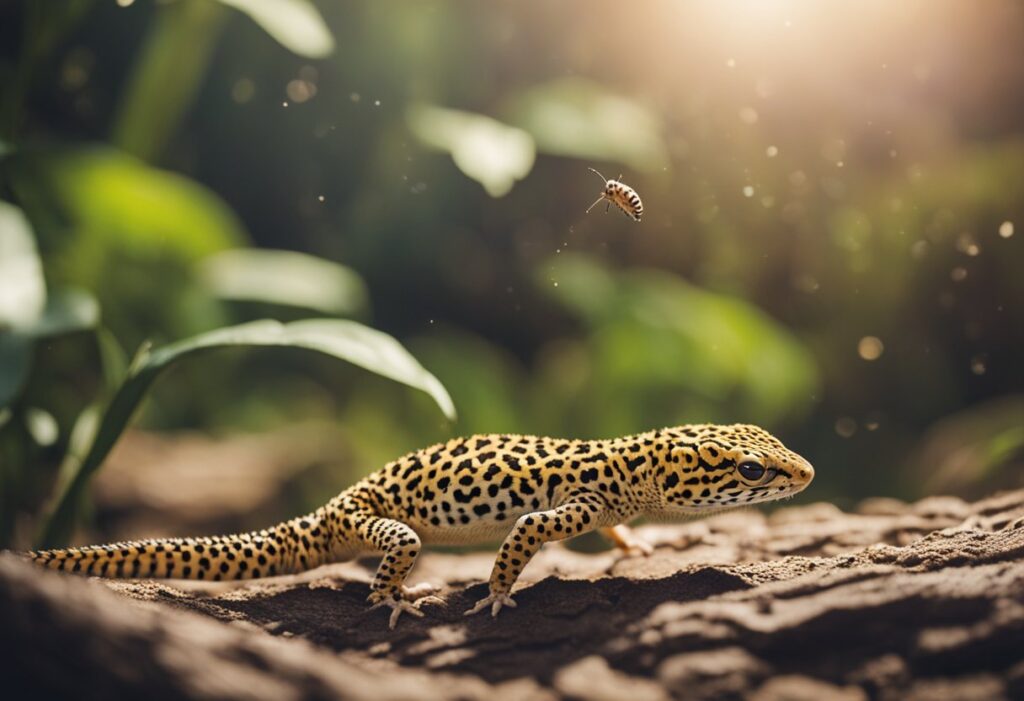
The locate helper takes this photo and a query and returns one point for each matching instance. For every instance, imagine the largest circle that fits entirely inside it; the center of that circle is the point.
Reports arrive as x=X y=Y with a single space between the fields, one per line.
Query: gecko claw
x=398 y=606
x=496 y=601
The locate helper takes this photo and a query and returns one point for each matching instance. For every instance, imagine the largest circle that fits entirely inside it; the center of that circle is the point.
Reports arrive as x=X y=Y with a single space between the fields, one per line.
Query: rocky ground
x=894 y=601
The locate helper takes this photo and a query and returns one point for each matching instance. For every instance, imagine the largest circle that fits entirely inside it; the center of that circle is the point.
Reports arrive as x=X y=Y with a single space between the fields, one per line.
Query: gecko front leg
x=583 y=512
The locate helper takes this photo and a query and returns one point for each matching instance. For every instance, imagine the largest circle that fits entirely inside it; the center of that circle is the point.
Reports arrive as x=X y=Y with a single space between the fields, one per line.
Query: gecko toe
x=495 y=601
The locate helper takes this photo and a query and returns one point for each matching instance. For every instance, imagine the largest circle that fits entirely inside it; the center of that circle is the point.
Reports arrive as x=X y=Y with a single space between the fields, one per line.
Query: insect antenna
x=595 y=204
x=603 y=179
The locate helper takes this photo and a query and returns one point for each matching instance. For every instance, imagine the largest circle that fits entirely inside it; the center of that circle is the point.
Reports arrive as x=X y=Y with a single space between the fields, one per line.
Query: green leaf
x=574 y=117
x=26 y=313
x=653 y=335
x=22 y=299
x=112 y=358
x=285 y=277
x=347 y=340
x=67 y=311
x=164 y=78
x=492 y=153
x=22 y=287
x=296 y=24
x=116 y=201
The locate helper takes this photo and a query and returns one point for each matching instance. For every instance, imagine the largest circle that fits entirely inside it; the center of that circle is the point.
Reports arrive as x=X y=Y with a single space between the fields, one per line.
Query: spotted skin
x=523 y=490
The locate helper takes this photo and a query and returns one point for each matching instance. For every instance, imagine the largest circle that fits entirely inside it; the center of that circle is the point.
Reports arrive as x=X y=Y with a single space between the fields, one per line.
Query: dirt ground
x=893 y=601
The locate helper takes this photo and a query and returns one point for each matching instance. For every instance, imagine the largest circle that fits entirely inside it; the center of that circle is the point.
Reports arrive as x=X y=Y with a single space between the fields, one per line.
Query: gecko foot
x=398 y=606
x=495 y=601
x=626 y=541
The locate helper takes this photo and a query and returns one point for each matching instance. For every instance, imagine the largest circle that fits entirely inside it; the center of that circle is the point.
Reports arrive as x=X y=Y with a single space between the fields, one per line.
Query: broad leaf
x=26 y=313
x=492 y=153
x=22 y=287
x=296 y=24
x=285 y=277
x=574 y=117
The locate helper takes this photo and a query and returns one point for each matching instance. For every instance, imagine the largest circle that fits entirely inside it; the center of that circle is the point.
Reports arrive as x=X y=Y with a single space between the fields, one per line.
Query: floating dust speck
x=748 y=191
x=320 y=198
x=300 y=91
x=979 y=364
x=730 y=63
x=284 y=104
x=376 y=103
x=771 y=151
x=748 y=115
x=125 y=3
x=1006 y=229
x=845 y=427
x=870 y=348
x=354 y=97
x=919 y=249
x=965 y=243
x=958 y=274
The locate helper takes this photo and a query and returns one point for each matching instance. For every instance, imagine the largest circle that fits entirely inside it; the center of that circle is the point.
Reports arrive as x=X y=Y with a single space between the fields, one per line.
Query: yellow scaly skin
x=525 y=489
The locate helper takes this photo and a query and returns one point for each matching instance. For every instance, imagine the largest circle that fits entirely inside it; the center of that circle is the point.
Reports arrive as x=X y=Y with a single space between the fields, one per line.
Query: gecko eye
x=752 y=471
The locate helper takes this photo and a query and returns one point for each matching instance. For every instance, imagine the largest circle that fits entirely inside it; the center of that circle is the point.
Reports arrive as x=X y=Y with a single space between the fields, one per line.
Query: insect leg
x=595 y=204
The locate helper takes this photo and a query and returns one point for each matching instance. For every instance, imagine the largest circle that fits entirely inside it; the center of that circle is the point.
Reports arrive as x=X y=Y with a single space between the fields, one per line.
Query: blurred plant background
x=832 y=244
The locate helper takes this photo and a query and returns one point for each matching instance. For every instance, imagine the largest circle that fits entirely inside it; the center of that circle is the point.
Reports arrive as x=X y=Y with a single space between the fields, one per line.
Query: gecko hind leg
x=627 y=541
x=400 y=546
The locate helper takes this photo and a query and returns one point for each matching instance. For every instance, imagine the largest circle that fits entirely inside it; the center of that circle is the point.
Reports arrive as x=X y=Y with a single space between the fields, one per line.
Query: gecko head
x=714 y=467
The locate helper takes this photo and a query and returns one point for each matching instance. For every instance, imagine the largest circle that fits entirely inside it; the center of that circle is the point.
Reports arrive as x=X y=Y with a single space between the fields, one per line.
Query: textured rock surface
x=895 y=601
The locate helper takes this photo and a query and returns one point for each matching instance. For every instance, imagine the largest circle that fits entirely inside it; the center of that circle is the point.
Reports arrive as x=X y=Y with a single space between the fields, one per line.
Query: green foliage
x=166 y=79
x=99 y=211
x=493 y=154
x=285 y=278
x=27 y=313
x=661 y=350
x=575 y=117
x=295 y=24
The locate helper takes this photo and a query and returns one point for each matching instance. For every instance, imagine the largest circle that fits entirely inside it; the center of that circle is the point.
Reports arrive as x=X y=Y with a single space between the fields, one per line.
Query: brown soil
x=894 y=601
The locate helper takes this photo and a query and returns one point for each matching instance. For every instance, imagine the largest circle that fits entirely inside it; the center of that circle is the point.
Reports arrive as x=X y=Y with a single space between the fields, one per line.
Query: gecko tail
x=289 y=547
